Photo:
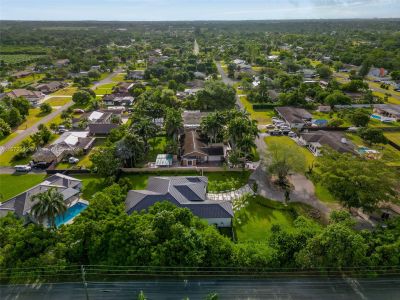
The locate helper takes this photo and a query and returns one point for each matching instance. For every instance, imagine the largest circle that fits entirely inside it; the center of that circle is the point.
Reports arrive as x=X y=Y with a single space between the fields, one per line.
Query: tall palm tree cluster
x=234 y=127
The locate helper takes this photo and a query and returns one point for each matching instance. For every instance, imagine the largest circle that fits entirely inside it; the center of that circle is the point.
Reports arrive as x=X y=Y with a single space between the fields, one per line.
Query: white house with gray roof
x=183 y=191
x=22 y=204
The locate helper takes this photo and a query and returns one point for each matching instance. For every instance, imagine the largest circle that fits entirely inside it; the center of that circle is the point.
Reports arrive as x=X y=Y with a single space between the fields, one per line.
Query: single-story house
x=388 y=110
x=334 y=139
x=22 y=204
x=308 y=73
x=118 y=99
x=324 y=108
x=377 y=72
x=102 y=122
x=34 y=97
x=68 y=144
x=136 y=74
x=293 y=116
x=192 y=118
x=50 y=87
x=21 y=74
x=62 y=62
x=196 y=151
x=123 y=87
x=185 y=192
x=199 y=75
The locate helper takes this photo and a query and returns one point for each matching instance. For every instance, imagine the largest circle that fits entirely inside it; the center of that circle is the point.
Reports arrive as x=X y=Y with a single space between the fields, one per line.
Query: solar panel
x=187 y=193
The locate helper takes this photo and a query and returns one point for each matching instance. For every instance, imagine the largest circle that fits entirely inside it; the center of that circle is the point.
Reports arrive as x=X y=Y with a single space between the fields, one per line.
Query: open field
x=58 y=101
x=12 y=185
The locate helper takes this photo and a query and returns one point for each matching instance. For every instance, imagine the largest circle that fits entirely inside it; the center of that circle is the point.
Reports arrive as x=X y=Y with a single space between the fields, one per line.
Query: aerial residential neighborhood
x=229 y=148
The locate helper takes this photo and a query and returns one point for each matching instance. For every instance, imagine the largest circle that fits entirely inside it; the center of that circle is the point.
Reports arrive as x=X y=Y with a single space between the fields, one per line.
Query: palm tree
x=49 y=204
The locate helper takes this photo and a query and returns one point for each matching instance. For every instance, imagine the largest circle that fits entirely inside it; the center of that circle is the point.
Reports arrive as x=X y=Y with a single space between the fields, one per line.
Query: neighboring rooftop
x=334 y=139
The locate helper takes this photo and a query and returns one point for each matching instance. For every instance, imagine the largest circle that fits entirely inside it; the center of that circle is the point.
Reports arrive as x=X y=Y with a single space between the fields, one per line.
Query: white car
x=73 y=160
x=23 y=168
x=292 y=134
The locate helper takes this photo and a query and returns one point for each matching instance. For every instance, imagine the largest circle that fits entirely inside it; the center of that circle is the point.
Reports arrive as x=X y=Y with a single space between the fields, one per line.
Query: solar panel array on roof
x=193 y=179
x=187 y=193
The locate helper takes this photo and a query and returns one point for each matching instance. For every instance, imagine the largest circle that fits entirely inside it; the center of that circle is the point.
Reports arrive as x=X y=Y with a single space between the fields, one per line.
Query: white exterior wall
x=220 y=222
x=214 y=158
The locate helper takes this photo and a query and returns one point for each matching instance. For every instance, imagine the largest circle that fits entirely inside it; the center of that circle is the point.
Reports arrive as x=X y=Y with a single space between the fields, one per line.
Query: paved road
x=230 y=82
x=107 y=79
x=274 y=288
x=27 y=132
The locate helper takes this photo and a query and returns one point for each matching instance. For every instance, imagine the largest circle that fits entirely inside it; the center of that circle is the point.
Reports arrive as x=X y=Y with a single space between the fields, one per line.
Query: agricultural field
x=15 y=59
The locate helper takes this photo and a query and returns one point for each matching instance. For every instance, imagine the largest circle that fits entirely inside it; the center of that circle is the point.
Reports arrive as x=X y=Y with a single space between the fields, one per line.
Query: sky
x=160 y=10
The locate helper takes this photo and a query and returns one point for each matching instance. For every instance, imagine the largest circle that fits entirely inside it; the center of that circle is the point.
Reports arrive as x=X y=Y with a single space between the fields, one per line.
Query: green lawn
x=261 y=116
x=254 y=222
x=6 y=158
x=58 y=101
x=12 y=185
x=8 y=138
x=118 y=77
x=34 y=116
x=93 y=183
x=329 y=117
x=393 y=136
x=67 y=91
x=308 y=156
x=105 y=88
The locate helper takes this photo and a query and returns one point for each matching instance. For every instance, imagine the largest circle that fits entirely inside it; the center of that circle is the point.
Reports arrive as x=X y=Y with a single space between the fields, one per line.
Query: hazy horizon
x=190 y=10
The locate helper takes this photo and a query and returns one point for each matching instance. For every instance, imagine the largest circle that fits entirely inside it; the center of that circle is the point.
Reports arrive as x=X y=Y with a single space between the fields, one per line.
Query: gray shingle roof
x=189 y=192
x=21 y=204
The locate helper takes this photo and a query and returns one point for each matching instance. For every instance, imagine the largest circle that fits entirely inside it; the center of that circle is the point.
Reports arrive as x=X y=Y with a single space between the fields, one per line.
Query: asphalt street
x=278 y=288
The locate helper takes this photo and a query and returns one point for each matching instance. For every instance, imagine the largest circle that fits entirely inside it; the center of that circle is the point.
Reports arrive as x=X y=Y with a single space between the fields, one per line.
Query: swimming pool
x=378 y=117
x=71 y=213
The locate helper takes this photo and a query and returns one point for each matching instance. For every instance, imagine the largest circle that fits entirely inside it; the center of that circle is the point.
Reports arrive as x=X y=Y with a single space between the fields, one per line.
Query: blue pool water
x=71 y=213
x=362 y=150
x=375 y=117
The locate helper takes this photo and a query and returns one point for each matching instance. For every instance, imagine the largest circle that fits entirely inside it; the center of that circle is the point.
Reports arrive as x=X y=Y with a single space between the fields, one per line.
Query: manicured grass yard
x=6 y=158
x=393 y=136
x=263 y=117
x=58 y=101
x=12 y=185
x=67 y=91
x=8 y=138
x=254 y=222
x=104 y=89
x=308 y=156
x=33 y=117
x=118 y=77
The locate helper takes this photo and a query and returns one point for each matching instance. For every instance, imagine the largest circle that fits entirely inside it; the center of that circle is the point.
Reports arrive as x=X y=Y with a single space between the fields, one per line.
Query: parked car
x=78 y=111
x=270 y=126
x=275 y=132
x=285 y=131
x=40 y=165
x=73 y=160
x=292 y=134
x=22 y=168
x=62 y=129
